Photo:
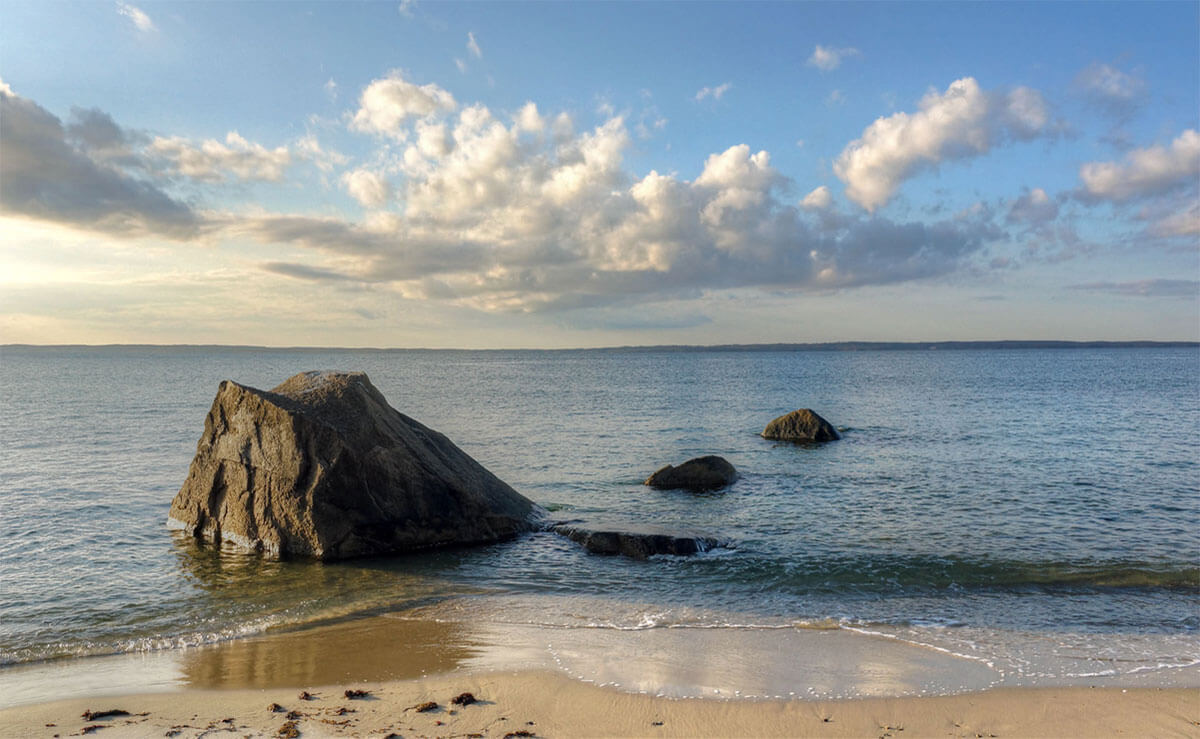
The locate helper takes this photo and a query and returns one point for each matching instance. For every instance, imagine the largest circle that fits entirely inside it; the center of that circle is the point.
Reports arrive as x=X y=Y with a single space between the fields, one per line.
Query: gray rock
x=802 y=426
x=634 y=543
x=701 y=473
x=323 y=467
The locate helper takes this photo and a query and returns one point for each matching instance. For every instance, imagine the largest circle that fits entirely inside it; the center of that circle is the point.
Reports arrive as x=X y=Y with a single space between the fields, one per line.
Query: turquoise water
x=1038 y=510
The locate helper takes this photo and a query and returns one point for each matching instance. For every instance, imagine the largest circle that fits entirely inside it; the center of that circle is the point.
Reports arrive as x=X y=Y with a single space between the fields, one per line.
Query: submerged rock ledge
x=321 y=466
x=635 y=543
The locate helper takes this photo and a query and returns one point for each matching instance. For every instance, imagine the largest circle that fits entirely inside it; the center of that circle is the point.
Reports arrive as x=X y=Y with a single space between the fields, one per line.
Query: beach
x=550 y=705
x=713 y=683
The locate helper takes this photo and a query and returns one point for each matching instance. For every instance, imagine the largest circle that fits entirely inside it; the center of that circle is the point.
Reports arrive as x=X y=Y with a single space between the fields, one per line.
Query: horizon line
x=846 y=345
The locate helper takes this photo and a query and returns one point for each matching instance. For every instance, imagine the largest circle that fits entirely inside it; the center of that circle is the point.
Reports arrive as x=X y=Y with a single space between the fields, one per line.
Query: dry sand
x=547 y=704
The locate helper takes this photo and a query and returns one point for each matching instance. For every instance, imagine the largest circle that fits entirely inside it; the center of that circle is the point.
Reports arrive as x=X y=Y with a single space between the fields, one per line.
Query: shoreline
x=548 y=704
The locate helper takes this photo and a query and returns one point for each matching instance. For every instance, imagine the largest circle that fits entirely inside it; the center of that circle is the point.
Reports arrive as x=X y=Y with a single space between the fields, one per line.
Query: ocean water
x=1037 y=511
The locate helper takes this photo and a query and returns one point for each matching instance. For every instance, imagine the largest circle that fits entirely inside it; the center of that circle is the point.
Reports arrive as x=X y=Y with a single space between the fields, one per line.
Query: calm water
x=1038 y=510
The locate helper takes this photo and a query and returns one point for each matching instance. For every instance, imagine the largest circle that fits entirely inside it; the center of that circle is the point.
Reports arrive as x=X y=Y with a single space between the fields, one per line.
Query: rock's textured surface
x=701 y=473
x=322 y=466
x=635 y=544
x=802 y=426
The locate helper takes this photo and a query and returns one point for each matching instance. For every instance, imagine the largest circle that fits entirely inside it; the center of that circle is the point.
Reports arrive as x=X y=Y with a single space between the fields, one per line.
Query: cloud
x=388 y=102
x=1144 y=172
x=331 y=89
x=829 y=58
x=1110 y=89
x=1183 y=222
x=716 y=93
x=46 y=173
x=139 y=19
x=515 y=214
x=370 y=189
x=1151 y=288
x=473 y=45
x=1033 y=207
x=309 y=149
x=961 y=123
x=506 y=220
x=405 y=8
x=818 y=199
x=213 y=161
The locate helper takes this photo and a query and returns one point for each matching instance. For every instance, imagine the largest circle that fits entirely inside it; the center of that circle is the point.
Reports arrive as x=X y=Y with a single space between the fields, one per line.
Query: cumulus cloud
x=1033 y=207
x=501 y=218
x=819 y=199
x=47 y=173
x=140 y=20
x=716 y=93
x=1144 y=172
x=963 y=122
x=1152 y=288
x=387 y=103
x=214 y=161
x=1110 y=89
x=514 y=213
x=829 y=58
x=370 y=189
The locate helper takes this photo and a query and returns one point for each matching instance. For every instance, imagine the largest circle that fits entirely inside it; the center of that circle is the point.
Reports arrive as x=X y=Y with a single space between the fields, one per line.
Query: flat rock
x=701 y=473
x=635 y=543
x=803 y=426
x=321 y=466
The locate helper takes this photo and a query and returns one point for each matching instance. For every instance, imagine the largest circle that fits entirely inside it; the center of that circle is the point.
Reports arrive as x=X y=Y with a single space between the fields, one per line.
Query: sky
x=545 y=175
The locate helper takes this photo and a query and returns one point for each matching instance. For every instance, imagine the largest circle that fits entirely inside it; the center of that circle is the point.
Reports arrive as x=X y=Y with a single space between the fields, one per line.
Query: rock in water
x=801 y=426
x=638 y=544
x=701 y=473
x=322 y=466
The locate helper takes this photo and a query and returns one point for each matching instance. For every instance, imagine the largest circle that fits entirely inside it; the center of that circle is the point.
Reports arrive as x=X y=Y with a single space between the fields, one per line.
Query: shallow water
x=1037 y=511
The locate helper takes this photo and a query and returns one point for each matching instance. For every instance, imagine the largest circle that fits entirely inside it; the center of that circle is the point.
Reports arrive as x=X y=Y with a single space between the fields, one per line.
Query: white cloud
x=819 y=199
x=716 y=93
x=405 y=8
x=388 y=102
x=829 y=58
x=308 y=148
x=1184 y=222
x=963 y=122
x=213 y=161
x=1144 y=172
x=528 y=119
x=1113 y=90
x=1033 y=207
x=462 y=65
x=487 y=215
x=837 y=97
x=370 y=189
x=331 y=89
x=139 y=19
x=473 y=46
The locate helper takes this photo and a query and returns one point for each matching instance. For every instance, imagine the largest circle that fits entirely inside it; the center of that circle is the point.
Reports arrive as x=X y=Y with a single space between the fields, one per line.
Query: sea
x=1033 y=510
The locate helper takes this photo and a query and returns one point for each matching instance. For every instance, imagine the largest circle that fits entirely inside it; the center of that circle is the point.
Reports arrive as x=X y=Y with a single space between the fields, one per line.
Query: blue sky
x=581 y=174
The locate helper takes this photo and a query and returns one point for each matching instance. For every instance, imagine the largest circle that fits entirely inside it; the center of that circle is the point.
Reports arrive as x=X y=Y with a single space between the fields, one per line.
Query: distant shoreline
x=833 y=346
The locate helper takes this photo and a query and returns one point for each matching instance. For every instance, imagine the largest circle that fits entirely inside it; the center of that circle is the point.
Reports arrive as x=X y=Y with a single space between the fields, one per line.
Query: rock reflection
x=372 y=649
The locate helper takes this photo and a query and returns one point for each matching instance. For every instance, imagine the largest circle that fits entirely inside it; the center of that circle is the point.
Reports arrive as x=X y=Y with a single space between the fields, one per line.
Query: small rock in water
x=803 y=426
x=698 y=475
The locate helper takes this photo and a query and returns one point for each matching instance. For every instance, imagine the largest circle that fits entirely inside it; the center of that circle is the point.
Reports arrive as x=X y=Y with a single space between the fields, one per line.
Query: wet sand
x=569 y=682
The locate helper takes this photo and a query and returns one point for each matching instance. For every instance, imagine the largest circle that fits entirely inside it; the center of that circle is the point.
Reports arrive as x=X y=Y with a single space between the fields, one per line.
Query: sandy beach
x=551 y=705
x=566 y=683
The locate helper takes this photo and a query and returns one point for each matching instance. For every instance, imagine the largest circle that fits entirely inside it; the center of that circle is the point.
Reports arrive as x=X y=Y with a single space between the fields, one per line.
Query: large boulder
x=803 y=426
x=637 y=542
x=699 y=474
x=323 y=467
